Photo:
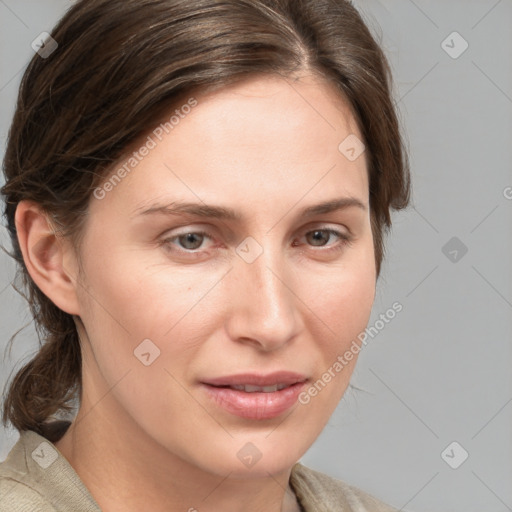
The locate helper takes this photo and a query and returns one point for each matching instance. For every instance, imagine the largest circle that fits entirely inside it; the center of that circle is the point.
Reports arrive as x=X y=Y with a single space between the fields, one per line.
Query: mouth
x=253 y=396
x=248 y=381
x=249 y=388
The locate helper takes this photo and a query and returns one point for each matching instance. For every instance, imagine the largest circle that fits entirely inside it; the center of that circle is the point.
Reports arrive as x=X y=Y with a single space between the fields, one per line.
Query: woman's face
x=178 y=301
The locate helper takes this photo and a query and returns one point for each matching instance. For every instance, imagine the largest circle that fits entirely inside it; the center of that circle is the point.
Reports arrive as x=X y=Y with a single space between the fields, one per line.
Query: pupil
x=315 y=238
x=189 y=237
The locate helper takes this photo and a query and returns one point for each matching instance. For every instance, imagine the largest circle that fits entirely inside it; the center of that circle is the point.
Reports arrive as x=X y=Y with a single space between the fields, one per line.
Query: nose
x=264 y=305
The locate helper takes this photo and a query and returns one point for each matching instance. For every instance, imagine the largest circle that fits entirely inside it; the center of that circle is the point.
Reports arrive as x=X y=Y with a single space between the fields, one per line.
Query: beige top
x=36 y=477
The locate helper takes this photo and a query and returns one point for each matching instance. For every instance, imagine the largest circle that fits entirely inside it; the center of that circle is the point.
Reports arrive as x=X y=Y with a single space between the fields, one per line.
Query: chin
x=257 y=456
x=261 y=469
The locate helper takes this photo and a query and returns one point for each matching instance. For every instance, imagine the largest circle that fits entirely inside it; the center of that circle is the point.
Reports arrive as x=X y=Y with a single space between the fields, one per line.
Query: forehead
x=303 y=106
x=259 y=139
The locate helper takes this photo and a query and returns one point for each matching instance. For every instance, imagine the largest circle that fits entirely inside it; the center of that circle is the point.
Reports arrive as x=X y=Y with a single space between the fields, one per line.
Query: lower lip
x=255 y=406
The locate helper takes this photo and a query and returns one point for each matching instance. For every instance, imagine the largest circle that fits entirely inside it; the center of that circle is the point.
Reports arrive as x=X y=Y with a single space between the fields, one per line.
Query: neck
x=123 y=474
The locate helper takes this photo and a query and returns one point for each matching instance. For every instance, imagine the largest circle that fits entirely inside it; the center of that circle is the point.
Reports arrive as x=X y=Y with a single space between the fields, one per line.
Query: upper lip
x=253 y=379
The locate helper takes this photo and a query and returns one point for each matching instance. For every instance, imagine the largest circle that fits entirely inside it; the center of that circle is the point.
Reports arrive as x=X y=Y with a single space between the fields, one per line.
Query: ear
x=47 y=256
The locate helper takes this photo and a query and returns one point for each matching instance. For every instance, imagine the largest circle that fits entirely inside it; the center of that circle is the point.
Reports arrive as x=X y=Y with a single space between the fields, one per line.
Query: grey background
x=440 y=370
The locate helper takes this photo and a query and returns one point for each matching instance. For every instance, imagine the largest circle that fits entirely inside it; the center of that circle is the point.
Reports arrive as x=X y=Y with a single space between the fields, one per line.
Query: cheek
x=346 y=312
x=134 y=315
x=342 y=300
x=342 y=310
x=129 y=290
x=130 y=299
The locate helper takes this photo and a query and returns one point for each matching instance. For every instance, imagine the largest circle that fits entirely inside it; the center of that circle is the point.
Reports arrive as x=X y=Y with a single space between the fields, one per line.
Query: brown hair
x=119 y=65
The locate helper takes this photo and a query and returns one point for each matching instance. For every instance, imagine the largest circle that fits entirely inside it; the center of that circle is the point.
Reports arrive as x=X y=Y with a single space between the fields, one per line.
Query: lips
x=248 y=388
x=282 y=378
x=255 y=397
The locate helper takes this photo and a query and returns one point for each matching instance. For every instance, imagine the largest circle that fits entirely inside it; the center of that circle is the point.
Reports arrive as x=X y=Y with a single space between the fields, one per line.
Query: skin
x=148 y=437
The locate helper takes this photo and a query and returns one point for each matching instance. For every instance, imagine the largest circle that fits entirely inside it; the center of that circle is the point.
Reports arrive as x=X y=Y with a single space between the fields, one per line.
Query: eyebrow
x=225 y=213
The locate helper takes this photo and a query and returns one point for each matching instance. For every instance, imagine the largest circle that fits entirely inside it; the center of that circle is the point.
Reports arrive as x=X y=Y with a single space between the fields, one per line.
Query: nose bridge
x=266 y=276
x=264 y=301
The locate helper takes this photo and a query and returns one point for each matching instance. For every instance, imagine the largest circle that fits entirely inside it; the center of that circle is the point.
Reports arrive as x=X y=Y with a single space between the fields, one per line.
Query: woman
x=197 y=194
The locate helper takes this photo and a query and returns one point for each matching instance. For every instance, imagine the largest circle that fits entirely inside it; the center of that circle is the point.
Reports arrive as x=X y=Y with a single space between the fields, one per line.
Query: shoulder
x=36 y=477
x=18 y=497
x=320 y=492
x=16 y=492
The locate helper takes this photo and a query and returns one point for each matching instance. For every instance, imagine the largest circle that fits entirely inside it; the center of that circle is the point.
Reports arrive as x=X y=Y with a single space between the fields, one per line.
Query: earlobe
x=44 y=255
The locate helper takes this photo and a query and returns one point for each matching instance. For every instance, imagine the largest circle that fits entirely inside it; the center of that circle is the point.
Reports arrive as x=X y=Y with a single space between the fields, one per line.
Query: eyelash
x=345 y=240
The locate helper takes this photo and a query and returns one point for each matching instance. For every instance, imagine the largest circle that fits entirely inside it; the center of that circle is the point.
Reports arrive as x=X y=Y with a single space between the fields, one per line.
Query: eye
x=319 y=237
x=189 y=241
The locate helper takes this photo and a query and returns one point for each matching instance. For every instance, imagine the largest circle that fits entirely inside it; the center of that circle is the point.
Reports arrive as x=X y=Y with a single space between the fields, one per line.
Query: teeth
x=248 y=388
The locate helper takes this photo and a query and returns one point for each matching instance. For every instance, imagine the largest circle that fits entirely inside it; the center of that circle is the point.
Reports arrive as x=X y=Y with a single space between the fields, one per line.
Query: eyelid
x=345 y=238
x=208 y=231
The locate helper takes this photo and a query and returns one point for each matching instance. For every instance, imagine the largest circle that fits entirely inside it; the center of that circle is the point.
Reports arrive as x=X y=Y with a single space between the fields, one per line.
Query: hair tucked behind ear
x=119 y=65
